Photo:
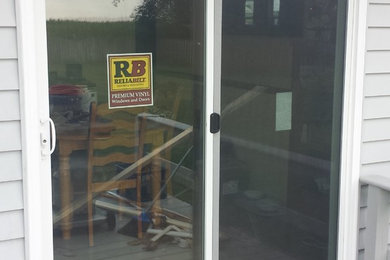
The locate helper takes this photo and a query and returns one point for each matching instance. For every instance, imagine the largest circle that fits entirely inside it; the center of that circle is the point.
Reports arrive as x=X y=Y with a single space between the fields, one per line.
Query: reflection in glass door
x=281 y=95
x=125 y=86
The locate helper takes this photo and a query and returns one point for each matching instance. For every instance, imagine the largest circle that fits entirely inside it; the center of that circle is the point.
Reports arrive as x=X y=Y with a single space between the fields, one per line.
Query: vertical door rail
x=212 y=102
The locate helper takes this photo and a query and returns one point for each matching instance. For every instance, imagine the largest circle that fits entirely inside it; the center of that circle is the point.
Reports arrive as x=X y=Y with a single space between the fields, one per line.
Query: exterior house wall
x=375 y=155
x=375 y=129
x=11 y=186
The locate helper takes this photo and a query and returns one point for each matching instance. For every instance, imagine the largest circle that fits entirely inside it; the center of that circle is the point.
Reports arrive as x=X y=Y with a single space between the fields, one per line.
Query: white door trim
x=212 y=93
x=31 y=34
x=351 y=129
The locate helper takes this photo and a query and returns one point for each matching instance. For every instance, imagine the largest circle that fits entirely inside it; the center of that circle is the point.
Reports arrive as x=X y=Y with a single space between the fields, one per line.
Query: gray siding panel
x=373 y=152
x=360 y=241
x=375 y=157
x=10 y=139
x=363 y=196
x=376 y=129
x=379 y=1
x=377 y=62
x=376 y=107
x=377 y=85
x=11 y=166
x=378 y=15
x=12 y=249
x=363 y=218
x=375 y=168
x=11 y=196
x=361 y=255
x=11 y=110
x=8 y=44
x=11 y=173
x=12 y=225
x=378 y=39
x=9 y=74
x=7 y=13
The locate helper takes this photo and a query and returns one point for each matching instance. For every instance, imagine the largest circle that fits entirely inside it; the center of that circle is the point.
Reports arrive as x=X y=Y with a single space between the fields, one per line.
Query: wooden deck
x=115 y=246
x=238 y=242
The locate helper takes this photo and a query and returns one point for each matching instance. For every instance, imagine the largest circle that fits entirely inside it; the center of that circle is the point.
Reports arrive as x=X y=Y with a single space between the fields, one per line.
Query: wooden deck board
x=112 y=245
x=171 y=252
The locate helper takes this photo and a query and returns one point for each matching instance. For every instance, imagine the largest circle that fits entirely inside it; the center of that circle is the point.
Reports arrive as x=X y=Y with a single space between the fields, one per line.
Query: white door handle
x=48 y=141
x=53 y=136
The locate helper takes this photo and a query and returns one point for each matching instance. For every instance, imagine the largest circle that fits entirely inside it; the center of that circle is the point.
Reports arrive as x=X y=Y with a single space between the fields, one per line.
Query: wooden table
x=66 y=145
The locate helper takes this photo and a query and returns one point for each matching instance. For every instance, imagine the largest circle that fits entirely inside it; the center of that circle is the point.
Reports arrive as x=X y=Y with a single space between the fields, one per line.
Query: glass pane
x=125 y=86
x=281 y=110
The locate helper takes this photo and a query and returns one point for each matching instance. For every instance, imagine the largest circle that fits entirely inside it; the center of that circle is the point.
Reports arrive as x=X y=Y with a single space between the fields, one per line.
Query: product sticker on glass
x=130 y=82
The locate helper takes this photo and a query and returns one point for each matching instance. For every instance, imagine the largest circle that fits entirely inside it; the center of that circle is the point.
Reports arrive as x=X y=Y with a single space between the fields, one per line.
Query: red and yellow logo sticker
x=130 y=81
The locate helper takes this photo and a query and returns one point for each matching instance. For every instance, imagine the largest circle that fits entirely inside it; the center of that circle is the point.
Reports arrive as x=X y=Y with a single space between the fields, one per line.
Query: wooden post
x=156 y=187
x=141 y=140
x=66 y=194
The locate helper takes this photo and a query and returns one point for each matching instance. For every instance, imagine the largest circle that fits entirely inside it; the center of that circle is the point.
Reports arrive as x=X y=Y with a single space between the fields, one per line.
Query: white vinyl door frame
x=32 y=47
x=212 y=90
x=34 y=100
x=351 y=129
x=350 y=136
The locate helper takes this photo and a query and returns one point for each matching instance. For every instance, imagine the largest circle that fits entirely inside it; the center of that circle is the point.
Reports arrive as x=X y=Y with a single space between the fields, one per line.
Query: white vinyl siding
x=12 y=225
x=9 y=74
x=378 y=39
x=11 y=196
x=14 y=248
x=10 y=135
x=8 y=45
x=376 y=107
x=375 y=154
x=11 y=183
x=11 y=166
x=378 y=14
x=12 y=110
x=7 y=11
x=376 y=129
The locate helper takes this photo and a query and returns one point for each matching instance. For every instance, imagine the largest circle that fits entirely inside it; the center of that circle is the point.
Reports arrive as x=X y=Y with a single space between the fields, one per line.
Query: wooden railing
x=377 y=227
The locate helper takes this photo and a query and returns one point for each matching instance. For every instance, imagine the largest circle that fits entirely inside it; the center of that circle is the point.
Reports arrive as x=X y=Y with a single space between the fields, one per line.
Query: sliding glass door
x=282 y=67
x=126 y=96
